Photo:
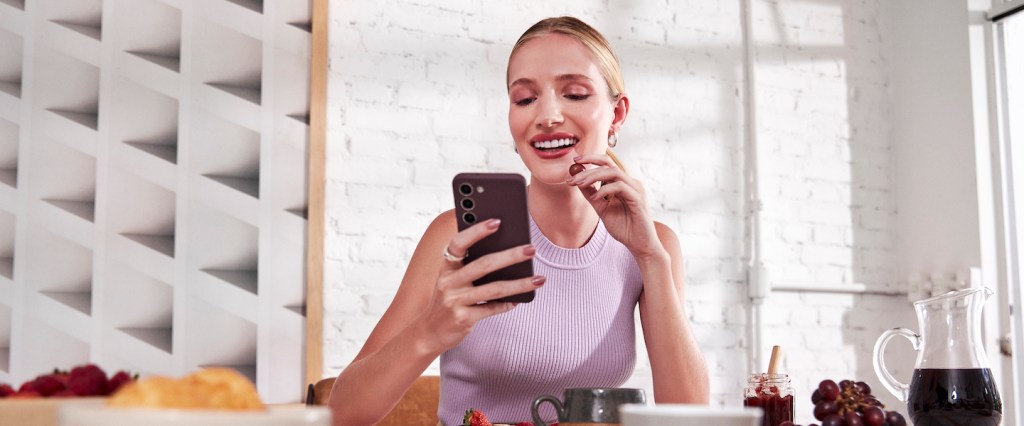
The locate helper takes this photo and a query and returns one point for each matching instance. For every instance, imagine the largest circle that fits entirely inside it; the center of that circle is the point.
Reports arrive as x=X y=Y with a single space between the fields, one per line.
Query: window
x=1008 y=43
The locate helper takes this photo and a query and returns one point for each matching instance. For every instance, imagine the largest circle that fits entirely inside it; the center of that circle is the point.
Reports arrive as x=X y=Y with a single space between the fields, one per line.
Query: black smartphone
x=482 y=196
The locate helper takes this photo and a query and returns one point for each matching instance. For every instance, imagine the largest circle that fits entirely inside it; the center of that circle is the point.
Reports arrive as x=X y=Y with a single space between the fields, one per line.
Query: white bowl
x=102 y=415
x=688 y=415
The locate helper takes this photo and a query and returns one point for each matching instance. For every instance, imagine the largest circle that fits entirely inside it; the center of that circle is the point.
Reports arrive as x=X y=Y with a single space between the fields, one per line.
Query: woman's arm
x=680 y=374
x=677 y=364
x=435 y=307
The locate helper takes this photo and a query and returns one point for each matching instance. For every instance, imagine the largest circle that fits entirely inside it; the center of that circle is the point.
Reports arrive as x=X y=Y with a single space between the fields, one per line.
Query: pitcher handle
x=534 y=410
x=898 y=389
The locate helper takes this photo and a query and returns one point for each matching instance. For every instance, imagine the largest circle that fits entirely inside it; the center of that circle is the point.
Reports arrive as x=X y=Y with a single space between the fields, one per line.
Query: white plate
x=101 y=415
x=688 y=415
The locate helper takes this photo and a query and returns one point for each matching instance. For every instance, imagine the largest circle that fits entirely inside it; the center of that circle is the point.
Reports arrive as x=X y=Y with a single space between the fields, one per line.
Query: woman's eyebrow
x=573 y=77
x=560 y=78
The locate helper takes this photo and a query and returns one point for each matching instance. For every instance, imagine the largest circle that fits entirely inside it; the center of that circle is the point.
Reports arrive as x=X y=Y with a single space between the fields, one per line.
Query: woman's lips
x=548 y=154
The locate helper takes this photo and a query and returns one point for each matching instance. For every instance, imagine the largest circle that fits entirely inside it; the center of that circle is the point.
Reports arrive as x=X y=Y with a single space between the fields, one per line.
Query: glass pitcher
x=952 y=382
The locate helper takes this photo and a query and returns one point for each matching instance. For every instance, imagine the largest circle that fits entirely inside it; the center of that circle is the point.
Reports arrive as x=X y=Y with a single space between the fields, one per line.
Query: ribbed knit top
x=577 y=332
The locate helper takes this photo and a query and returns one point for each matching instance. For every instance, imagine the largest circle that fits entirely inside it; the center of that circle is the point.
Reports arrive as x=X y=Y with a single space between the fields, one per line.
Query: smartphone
x=482 y=196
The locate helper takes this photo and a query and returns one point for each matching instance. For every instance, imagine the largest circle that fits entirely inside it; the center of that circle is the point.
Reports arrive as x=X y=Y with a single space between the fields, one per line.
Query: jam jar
x=773 y=393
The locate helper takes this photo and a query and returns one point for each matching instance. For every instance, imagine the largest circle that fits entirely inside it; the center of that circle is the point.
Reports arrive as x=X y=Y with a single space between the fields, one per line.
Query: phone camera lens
x=469 y=218
x=467 y=203
x=466 y=189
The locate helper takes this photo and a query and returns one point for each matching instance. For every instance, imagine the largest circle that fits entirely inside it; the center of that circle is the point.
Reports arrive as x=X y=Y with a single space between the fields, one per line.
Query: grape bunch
x=849 y=403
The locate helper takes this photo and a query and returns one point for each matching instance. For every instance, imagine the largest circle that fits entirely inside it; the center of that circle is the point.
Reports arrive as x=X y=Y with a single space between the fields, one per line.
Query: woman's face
x=559 y=105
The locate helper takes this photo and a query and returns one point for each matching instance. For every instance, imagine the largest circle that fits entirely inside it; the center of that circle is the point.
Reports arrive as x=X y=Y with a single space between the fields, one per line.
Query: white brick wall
x=416 y=95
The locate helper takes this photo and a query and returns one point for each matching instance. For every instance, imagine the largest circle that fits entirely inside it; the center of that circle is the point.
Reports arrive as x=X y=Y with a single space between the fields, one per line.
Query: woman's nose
x=548 y=114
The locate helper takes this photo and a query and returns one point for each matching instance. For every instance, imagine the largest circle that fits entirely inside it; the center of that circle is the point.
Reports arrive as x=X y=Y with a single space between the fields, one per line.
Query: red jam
x=773 y=395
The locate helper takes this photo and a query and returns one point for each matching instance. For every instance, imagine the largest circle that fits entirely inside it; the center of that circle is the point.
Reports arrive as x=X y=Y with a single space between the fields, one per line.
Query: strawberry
x=6 y=390
x=88 y=380
x=29 y=386
x=66 y=393
x=60 y=375
x=119 y=379
x=475 y=417
x=26 y=395
x=48 y=385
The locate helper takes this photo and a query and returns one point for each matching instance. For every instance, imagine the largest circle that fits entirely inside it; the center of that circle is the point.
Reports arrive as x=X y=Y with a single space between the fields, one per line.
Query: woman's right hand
x=456 y=304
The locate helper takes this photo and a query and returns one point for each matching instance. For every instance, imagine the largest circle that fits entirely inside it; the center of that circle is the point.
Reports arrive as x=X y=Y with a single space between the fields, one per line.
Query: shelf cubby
x=148 y=30
x=80 y=301
x=6 y=246
x=10 y=64
x=83 y=209
x=59 y=274
x=226 y=165
x=50 y=347
x=139 y=306
x=233 y=345
x=142 y=212
x=253 y=5
x=8 y=153
x=287 y=266
x=65 y=179
x=64 y=182
x=17 y=4
x=289 y=99
x=226 y=249
x=68 y=89
x=5 y=339
x=93 y=30
x=229 y=64
x=147 y=142
x=223 y=269
x=82 y=16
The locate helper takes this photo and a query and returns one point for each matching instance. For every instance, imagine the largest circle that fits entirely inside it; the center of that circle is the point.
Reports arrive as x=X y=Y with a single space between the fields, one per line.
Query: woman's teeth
x=556 y=143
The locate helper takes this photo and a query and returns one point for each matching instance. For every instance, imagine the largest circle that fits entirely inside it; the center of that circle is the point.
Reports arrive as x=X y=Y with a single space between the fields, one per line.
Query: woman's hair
x=606 y=60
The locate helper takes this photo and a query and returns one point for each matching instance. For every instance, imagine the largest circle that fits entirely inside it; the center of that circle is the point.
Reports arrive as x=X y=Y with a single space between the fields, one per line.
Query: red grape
x=829 y=390
x=895 y=419
x=833 y=420
x=864 y=388
x=824 y=408
x=816 y=396
x=874 y=416
x=853 y=419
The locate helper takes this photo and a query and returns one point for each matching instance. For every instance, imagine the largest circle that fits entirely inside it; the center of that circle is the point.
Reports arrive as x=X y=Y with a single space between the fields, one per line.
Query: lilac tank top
x=578 y=332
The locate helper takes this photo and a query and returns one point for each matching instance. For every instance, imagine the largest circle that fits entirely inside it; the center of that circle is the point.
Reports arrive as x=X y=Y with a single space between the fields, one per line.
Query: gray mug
x=588 y=405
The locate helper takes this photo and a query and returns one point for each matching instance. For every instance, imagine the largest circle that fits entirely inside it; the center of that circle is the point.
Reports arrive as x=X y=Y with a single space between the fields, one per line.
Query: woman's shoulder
x=667 y=236
x=444 y=226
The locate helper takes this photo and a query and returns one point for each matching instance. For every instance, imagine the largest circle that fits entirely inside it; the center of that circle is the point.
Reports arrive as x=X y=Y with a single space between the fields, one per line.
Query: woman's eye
x=577 y=97
x=525 y=101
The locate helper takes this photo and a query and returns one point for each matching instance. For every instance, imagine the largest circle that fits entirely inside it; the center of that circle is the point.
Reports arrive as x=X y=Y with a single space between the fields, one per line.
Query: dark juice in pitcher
x=965 y=397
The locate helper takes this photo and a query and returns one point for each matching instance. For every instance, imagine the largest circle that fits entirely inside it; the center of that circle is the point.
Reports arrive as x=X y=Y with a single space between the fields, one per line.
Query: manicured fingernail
x=577 y=158
x=539 y=280
x=529 y=250
x=493 y=223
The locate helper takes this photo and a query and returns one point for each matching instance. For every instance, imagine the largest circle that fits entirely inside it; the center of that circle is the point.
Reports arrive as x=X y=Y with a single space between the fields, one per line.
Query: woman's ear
x=620 y=111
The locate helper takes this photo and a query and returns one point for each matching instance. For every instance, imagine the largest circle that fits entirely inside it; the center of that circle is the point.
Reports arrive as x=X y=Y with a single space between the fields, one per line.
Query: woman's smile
x=553 y=145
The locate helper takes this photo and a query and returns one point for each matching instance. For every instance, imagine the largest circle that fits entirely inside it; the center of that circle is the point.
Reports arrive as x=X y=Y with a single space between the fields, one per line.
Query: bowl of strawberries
x=36 y=401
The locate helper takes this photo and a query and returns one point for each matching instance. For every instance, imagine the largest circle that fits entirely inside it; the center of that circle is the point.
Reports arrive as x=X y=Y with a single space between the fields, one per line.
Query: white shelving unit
x=153 y=187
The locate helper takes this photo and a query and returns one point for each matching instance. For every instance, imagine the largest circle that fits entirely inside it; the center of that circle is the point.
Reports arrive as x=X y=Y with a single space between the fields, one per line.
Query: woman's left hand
x=620 y=201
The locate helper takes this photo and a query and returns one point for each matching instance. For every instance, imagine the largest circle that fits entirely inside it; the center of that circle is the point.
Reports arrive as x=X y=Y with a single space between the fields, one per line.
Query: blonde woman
x=596 y=250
